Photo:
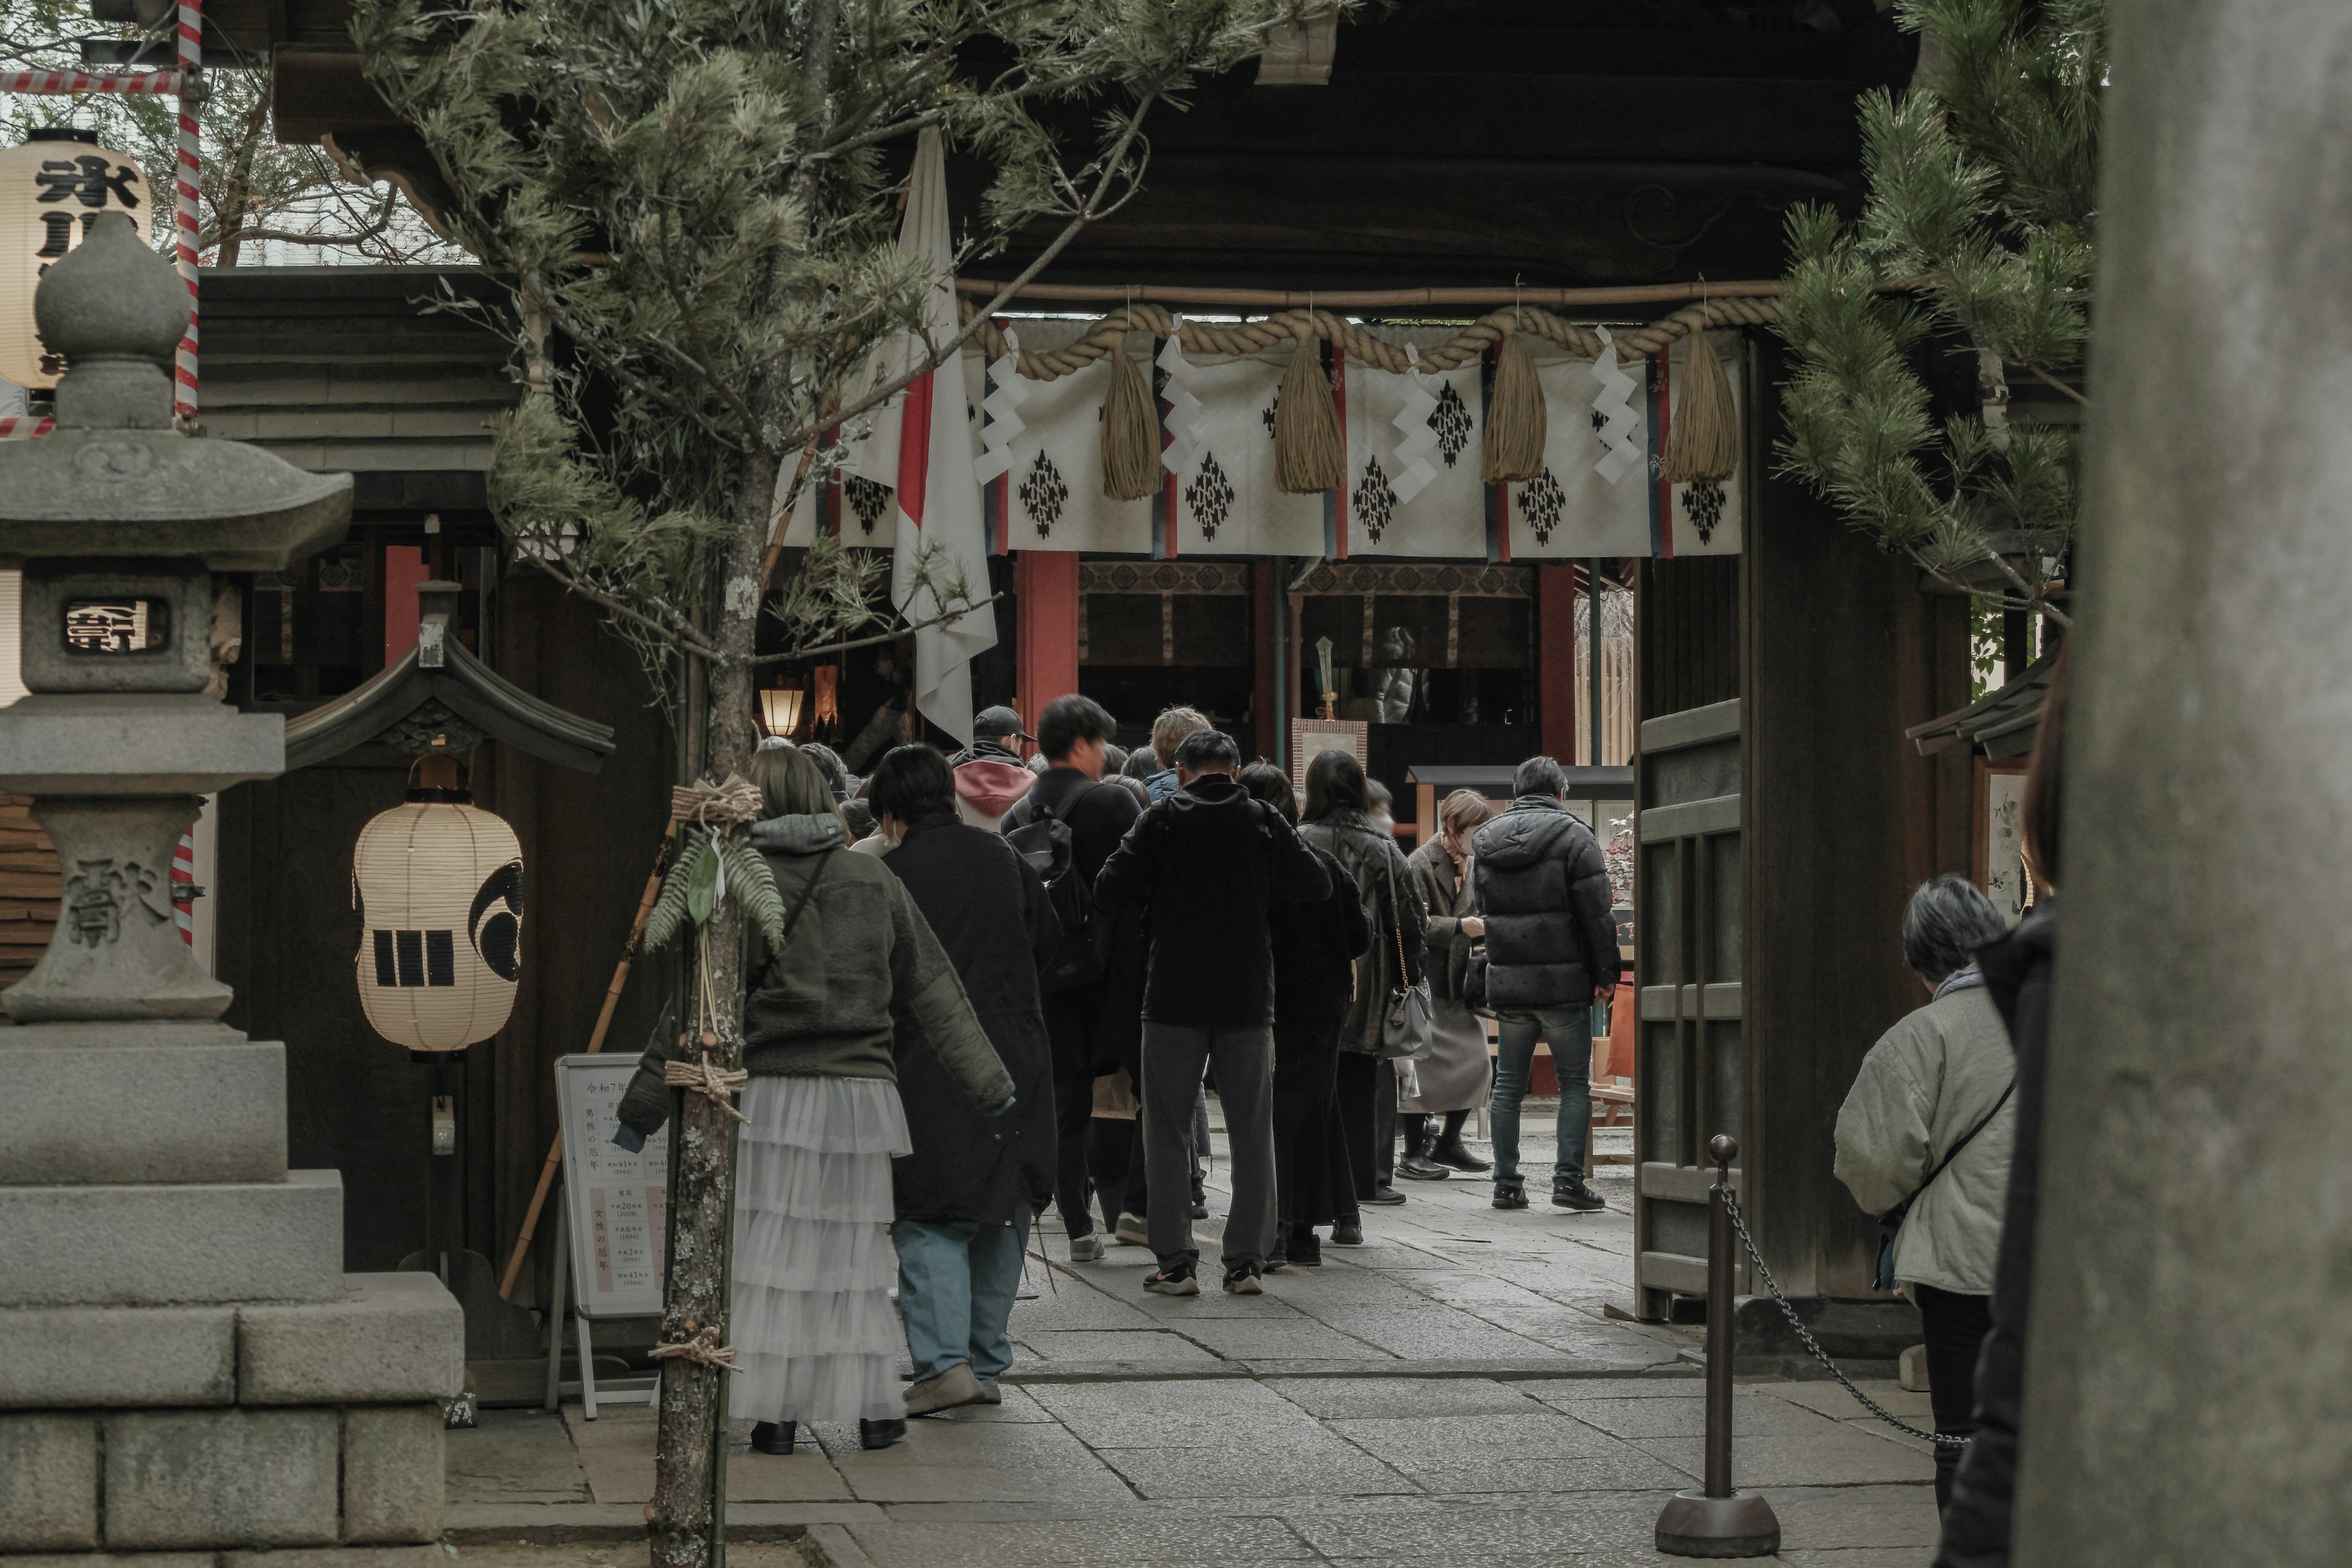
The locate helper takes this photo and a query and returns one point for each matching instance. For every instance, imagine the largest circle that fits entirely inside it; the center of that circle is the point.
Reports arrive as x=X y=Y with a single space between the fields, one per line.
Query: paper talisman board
x=617 y=1203
x=1311 y=737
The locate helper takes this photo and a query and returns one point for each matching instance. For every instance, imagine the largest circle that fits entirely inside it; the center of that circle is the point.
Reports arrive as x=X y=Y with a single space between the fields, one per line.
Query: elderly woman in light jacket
x=1929 y=1119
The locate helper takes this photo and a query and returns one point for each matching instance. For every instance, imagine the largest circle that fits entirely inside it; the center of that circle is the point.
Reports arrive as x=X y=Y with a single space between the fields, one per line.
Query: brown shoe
x=955 y=1386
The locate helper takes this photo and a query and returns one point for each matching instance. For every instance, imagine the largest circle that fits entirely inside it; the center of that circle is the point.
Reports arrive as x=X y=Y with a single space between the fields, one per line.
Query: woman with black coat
x=1337 y=821
x=966 y=1194
x=1315 y=950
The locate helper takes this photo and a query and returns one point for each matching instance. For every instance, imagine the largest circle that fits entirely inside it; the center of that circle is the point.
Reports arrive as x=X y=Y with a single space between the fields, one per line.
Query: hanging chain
x=1739 y=1224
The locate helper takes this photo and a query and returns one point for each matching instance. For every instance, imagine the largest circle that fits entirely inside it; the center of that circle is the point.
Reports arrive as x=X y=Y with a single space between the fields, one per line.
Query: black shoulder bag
x=793 y=919
x=1891 y=1222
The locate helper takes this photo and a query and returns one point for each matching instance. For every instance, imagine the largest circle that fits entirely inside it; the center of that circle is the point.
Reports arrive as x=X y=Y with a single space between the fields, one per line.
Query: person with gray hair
x=1923 y=1139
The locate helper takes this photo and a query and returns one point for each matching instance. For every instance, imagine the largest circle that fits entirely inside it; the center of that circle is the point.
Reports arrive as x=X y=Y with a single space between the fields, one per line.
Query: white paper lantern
x=438 y=884
x=49 y=191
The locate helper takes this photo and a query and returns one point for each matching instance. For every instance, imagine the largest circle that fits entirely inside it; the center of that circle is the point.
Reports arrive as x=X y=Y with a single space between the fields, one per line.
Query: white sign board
x=615 y=1202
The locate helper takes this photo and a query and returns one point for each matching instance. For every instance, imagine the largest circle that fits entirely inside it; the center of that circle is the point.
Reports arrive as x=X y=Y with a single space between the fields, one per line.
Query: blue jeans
x=1570 y=1032
x=957 y=1279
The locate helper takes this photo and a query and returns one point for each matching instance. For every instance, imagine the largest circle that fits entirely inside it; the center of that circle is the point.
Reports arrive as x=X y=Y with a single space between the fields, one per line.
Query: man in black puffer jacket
x=1551 y=948
x=1203 y=866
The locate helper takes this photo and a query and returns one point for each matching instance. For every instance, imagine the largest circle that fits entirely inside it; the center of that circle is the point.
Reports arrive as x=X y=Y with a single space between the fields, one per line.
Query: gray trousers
x=1173 y=1058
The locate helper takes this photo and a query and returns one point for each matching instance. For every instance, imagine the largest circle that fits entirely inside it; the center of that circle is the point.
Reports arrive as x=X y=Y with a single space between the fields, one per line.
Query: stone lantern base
x=184 y=1365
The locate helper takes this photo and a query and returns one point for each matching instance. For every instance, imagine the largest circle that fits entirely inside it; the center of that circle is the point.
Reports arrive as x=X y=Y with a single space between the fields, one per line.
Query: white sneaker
x=1086 y=1249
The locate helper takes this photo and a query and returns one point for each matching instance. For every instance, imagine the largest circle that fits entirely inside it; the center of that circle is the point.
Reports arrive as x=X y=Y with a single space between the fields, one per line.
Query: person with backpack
x=1066 y=828
x=1924 y=1141
x=1205 y=867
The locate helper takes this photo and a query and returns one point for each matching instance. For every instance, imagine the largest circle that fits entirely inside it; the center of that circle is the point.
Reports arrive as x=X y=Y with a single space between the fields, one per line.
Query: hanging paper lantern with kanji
x=51 y=189
x=439 y=885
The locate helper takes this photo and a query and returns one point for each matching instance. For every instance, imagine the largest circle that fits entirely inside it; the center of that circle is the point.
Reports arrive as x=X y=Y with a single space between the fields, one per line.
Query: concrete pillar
x=2191 y=1347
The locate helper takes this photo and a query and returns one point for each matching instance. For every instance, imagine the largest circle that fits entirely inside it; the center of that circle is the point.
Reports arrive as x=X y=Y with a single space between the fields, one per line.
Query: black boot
x=1449 y=1149
x=773 y=1436
x=1570 y=1192
x=1510 y=1193
x=879 y=1434
x=1416 y=1165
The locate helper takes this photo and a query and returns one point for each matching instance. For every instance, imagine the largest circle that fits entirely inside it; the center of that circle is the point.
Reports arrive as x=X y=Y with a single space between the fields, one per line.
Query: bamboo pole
x=595 y=1045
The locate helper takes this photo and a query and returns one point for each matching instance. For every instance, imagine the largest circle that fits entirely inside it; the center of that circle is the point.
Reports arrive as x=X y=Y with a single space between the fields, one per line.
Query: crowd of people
x=1006 y=981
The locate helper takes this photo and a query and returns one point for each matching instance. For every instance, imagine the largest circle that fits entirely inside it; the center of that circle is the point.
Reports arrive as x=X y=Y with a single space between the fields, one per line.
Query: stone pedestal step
x=140 y=1103
x=167 y=1243
x=386 y=1338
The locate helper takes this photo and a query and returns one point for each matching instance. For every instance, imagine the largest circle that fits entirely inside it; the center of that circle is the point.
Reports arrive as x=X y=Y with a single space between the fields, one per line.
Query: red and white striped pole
x=192 y=59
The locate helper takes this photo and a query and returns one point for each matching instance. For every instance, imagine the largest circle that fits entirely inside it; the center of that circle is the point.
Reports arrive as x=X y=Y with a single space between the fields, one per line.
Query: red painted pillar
x=1046 y=641
x=1556 y=705
x=404 y=568
x=1269 y=659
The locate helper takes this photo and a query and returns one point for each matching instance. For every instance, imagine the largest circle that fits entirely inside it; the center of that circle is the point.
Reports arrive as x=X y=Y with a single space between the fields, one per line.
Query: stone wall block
x=69 y=1357
x=115 y=1560
x=225 y=1477
x=161 y=1244
x=391 y=1338
x=394 y=1486
x=49 y=1482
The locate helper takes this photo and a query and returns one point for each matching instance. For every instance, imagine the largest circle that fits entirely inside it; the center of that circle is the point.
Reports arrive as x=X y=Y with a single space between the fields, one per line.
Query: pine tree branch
x=819 y=649
x=2049 y=380
x=683 y=638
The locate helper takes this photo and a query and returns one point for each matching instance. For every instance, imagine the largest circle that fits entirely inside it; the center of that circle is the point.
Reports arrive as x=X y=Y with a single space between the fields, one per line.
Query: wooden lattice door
x=1693 y=1066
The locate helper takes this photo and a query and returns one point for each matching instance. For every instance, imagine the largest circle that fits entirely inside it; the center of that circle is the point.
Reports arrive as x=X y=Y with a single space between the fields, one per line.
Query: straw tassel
x=1130 y=432
x=1517 y=426
x=1309 y=454
x=1704 y=439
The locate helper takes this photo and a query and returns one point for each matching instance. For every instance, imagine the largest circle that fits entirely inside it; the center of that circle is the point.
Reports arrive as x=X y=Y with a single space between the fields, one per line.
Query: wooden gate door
x=1692 y=1063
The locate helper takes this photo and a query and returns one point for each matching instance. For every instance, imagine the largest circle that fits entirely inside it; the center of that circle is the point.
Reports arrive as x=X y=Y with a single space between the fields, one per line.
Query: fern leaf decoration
x=670 y=909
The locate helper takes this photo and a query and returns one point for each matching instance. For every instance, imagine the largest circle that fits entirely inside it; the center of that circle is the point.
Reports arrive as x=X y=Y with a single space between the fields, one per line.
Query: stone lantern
x=187 y=1366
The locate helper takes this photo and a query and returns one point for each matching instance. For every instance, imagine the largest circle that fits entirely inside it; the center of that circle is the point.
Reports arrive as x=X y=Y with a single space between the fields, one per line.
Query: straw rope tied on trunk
x=1311 y=455
x=1130 y=431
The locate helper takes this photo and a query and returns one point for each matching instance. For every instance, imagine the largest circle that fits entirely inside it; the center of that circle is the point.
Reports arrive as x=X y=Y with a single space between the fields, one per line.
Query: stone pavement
x=1450 y=1393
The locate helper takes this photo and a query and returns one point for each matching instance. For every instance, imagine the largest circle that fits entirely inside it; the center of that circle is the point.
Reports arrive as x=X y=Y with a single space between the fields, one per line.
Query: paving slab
x=1534 y=1434
x=1404 y=1397
x=1752 y=1416
x=1112 y=1344
x=514 y=1456
x=1320 y=1463
x=1451 y=1397
x=1835 y=1459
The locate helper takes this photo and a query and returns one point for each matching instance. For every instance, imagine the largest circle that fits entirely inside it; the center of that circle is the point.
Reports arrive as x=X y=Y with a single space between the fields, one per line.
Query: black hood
x=1213 y=804
x=1530 y=831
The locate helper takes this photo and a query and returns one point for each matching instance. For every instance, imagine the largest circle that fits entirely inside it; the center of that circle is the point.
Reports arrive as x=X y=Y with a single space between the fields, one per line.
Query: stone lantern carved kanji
x=173 y=1297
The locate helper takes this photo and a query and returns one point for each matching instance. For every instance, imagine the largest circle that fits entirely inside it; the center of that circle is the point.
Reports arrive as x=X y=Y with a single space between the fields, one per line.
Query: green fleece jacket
x=861 y=956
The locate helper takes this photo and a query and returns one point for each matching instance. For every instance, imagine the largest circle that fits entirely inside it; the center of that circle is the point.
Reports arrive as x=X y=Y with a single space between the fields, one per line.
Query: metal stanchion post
x=1718 y=1522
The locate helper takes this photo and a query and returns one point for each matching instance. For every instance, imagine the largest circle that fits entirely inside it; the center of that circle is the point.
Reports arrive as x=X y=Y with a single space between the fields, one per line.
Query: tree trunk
x=678 y=1519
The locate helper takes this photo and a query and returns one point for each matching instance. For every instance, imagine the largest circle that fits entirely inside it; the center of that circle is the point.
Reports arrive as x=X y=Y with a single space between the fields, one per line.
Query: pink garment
x=986 y=790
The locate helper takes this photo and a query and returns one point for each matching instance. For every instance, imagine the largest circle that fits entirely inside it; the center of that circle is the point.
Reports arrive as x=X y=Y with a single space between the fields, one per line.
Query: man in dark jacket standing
x=964 y=1197
x=1203 y=865
x=1092 y=1026
x=1551 y=948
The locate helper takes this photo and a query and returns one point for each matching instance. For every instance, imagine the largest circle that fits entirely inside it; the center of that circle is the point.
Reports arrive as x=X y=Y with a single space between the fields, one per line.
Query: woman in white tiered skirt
x=811 y=1318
